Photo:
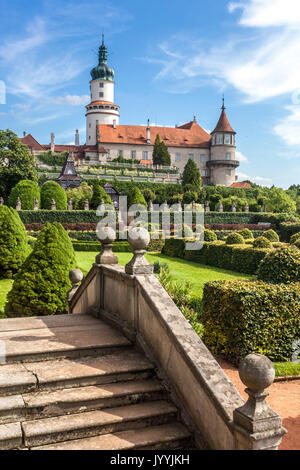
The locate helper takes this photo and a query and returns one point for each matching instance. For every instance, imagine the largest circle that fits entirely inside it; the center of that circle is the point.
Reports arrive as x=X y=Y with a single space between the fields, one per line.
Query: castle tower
x=222 y=163
x=101 y=109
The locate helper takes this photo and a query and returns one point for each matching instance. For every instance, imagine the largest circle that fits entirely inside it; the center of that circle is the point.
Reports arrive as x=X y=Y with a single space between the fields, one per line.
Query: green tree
x=27 y=191
x=16 y=162
x=135 y=197
x=191 y=175
x=160 y=154
x=52 y=190
x=80 y=195
x=41 y=285
x=14 y=246
x=98 y=196
x=280 y=201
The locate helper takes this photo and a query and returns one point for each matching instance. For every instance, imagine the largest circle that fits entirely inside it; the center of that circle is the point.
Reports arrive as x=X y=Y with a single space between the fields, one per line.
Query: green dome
x=102 y=71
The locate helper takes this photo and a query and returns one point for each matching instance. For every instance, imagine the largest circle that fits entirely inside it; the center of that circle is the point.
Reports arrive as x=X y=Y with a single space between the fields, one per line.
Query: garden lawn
x=5 y=287
x=181 y=270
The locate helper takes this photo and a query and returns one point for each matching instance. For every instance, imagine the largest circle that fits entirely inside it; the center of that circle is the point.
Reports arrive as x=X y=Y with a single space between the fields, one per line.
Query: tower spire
x=223 y=103
x=102 y=52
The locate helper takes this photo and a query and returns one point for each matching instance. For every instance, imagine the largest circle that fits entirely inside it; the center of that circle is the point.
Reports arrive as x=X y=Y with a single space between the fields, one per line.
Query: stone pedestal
x=107 y=236
x=139 y=239
x=75 y=277
x=70 y=205
x=36 y=204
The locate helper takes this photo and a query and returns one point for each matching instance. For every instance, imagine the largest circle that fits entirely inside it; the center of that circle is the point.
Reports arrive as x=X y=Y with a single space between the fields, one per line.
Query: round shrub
x=271 y=235
x=262 y=242
x=235 y=238
x=52 y=190
x=295 y=237
x=297 y=243
x=188 y=232
x=14 y=246
x=40 y=287
x=280 y=266
x=210 y=236
x=246 y=233
x=27 y=191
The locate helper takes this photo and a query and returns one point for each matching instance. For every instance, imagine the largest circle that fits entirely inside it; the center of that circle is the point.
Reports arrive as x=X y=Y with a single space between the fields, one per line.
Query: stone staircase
x=75 y=383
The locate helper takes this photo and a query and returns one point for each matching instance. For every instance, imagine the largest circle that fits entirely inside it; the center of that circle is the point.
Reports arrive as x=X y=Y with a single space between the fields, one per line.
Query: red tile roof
x=223 y=124
x=31 y=142
x=188 y=135
x=242 y=184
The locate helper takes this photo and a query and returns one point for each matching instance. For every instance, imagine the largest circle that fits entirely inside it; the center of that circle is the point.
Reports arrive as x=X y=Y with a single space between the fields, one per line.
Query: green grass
x=181 y=270
x=5 y=287
x=286 y=369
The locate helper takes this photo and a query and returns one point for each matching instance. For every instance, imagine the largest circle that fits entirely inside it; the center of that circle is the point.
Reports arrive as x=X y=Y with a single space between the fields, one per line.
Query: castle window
x=228 y=172
x=227 y=139
x=203 y=172
x=101 y=84
x=133 y=155
x=219 y=139
x=191 y=156
x=178 y=157
x=101 y=94
x=228 y=156
x=202 y=158
x=145 y=155
x=120 y=153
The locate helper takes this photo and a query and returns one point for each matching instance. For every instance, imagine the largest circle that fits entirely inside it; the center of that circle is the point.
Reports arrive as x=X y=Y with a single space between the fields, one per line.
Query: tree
x=135 y=197
x=80 y=195
x=27 y=191
x=16 y=162
x=99 y=195
x=280 y=201
x=191 y=175
x=52 y=190
x=41 y=285
x=160 y=154
x=14 y=246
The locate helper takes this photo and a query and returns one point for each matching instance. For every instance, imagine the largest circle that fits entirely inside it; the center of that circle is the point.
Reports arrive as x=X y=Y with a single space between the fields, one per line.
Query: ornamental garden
x=240 y=291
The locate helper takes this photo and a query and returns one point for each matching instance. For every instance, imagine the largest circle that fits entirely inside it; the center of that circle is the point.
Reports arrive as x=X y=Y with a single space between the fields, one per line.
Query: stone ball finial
x=75 y=276
x=139 y=238
x=257 y=372
x=106 y=235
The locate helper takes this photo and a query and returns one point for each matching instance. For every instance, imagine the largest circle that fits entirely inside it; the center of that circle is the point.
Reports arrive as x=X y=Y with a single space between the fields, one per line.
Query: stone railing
x=133 y=300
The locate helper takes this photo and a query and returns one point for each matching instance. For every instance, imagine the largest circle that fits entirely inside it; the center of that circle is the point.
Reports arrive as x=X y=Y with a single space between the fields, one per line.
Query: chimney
x=52 y=142
x=114 y=124
x=77 y=138
x=148 y=133
x=24 y=134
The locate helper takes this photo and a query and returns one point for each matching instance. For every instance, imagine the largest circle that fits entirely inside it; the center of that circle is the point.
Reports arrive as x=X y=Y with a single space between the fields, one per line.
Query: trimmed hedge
x=295 y=237
x=262 y=242
x=242 y=317
x=246 y=234
x=271 y=235
x=239 y=258
x=52 y=190
x=118 y=247
x=287 y=229
x=221 y=234
x=210 y=236
x=235 y=238
x=281 y=266
x=27 y=191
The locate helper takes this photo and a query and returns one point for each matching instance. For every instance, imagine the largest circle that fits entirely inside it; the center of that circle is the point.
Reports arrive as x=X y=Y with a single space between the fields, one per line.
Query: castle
x=106 y=139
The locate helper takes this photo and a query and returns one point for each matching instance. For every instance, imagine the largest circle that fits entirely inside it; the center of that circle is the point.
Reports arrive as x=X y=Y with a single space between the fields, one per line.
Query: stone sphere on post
x=139 y=238
x=75 y=276
x=107 y=236
x=257 y=372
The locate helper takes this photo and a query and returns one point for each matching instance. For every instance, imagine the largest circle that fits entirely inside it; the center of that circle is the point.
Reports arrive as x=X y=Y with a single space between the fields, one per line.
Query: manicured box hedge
x=287 y=229
x=243 y=317
x=239 y=258
x=118 y=247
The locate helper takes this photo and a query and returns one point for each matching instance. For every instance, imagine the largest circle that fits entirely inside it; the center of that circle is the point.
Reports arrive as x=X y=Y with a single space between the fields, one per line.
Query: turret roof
x=223 y=123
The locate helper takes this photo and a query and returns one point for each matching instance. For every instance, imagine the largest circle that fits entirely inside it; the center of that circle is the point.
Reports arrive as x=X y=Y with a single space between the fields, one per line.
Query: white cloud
x=289 y=127
x=241 y=157
x=73 y=100
x=262 y=13
x=263 y=181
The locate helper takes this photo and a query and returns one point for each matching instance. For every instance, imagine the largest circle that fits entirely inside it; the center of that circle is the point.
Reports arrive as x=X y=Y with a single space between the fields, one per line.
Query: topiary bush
x=41 y=285
x=27 y=191
x=14 y=246
x=271 y=235
x=52 y=190
x=297 y=243
x=135 y=197
x=262 y=242
x=244 y=317
x=210 y=236
x=235 y=239
x=246 y=234
x=280 y=266
x=99 y=195
x=295 y=237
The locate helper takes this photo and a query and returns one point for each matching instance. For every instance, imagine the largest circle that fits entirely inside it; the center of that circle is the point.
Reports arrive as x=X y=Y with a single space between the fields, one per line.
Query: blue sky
x=172 y=60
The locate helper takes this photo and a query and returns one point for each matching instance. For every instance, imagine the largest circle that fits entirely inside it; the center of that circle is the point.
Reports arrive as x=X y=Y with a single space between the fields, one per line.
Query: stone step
x=55 y=321
x=10 y=436
x=74 y=373
x=96 y=423
x=65 y=338
x=78 y=400
x=165 y=437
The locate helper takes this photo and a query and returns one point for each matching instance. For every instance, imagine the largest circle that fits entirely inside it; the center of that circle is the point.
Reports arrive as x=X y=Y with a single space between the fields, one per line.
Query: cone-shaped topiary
x=246 y=233
x=295 y=237
x=41 y=285
x=210 y=236
x=27 y=191
x=271 y=235
x=262 y=242
x=235 y=238
x=14 y=246
x=99 y=195
x=135 y=197
x=52 y=190
x=281 y=266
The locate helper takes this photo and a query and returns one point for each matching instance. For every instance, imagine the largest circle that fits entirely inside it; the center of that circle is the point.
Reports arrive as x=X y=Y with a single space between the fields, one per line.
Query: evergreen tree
x=191 y=175
x=160 y=154
x=14 y=246
x=99 y=195
x=135 y=197
x=16 y=162
x=41 y=286
x=27 y=191
x=52 y=190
